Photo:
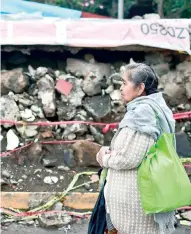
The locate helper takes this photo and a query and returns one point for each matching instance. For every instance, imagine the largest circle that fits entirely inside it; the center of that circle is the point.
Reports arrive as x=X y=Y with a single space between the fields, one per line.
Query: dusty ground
x=24 y=176
x=80 y=228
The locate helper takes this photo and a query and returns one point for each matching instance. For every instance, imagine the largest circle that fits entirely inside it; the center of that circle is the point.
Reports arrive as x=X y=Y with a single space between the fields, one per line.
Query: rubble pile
x=80 y=90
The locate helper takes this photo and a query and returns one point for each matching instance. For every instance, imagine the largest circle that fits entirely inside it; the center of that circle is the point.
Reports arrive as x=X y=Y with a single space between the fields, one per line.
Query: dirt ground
x=80 y=228
x=29 y=177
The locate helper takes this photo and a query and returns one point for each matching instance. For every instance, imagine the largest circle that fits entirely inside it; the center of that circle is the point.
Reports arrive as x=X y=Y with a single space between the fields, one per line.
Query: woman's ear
x=141 y=89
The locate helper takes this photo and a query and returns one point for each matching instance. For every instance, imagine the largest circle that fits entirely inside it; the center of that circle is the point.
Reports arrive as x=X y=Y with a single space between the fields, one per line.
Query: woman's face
x=128 y=89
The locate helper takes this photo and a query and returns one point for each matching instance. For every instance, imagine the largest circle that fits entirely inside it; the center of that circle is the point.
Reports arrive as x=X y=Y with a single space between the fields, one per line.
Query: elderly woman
x=137 y=131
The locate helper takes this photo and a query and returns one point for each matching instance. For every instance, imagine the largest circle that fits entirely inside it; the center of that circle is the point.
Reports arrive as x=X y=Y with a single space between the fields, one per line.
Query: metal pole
x=120 y=9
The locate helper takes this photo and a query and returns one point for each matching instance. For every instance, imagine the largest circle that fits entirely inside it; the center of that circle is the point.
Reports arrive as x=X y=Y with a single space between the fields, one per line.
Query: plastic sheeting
x=19 y=6
x=163 y=34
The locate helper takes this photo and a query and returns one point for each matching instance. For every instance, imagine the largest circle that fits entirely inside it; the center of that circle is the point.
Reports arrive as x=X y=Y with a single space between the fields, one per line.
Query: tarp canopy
x=169 y=34
x=18 y=6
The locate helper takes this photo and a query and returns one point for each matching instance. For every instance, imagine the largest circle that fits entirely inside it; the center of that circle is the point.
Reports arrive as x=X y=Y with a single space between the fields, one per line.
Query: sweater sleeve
x=129 y=149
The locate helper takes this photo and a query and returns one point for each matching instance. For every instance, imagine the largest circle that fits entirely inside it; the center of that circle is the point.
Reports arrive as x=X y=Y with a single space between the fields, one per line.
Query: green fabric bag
x=162 y=180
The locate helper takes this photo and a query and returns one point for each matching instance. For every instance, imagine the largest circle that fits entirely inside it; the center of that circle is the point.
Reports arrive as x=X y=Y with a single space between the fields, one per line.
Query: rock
x=97 y=135
x=188 y=88
x=6 y=174
x=85 y=153
x=63 y=168
x=49 y=162
x=41 y=72
x=66 y=111
x=24 y=177
x=161 y=69
x=27 y=115
x=54 y=220
x=91 y=85
x=38 y=111
x=28 y=131
x=32 y=72
x=8 y=110
x=25 y=102
x=50 y=180
x=99 y=70
x=99 y=107
x=77 y=129
x=115 y=95
x=76 y=95
x=184 y=67
x=187 y=107
x=12 y=140
x=58 y=206
x=187 y=215
x=174 y=93
x=109 y=89
x=47 y=95
x=183 y=145
x=69 y=159
x=13 y=80
x=37 y=171
x=34 y=153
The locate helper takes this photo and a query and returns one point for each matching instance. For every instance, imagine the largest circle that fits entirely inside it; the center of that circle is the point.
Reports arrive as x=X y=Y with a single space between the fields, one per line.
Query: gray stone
x=24 y=177
x=25 y=102
x=76 y=95
x=50 y=180
x=109 y=89
x=184 y=67
x=161 y=69
x=65 y=111
x=54 y=220
x=13 y=80
x=29 y=131
x=98 y=106
x=97 y=135
x=100 y=70
x=47 y=95
x=6 y=173
x=58 y=206
x=188 y=89
x=8 y=110
x=186 y=215
x=41 y=72
x=12 y=140
x=37 y=171
x=27 y=115
x=38 y=111
x=91 y=85
x=187 y=107
x=63 y=168
x=77 y=129
x=32 y=72
x=21 y=107
x=49 y=162
x=115 y=95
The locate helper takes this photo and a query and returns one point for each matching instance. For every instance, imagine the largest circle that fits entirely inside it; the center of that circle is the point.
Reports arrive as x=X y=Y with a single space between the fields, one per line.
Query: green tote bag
x=162 y=180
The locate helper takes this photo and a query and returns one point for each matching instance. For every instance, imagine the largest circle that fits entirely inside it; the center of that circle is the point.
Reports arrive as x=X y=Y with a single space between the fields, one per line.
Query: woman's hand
x=102 y=152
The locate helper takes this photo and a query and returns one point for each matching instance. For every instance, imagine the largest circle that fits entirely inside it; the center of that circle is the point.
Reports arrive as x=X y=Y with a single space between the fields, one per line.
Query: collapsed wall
x=82 y=86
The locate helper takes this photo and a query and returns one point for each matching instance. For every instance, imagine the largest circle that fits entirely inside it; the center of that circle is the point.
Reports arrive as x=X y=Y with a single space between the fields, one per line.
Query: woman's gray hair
x=141 y=73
